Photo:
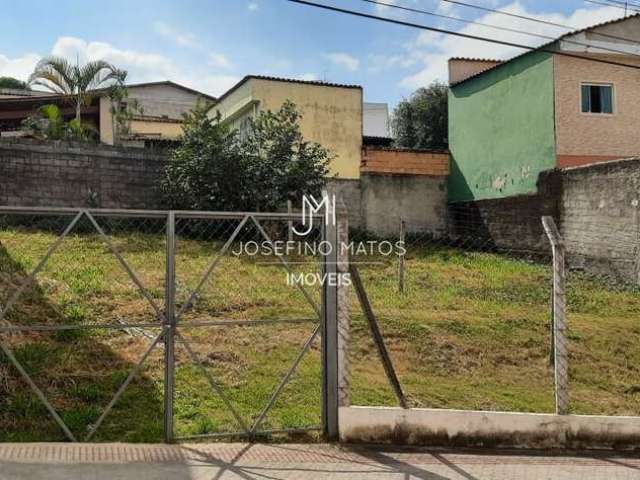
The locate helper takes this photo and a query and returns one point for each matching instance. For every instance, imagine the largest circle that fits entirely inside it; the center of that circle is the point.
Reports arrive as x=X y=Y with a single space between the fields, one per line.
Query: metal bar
x=114 y=212
x=285 y=380
x=7 y=351
x=244 y=434
x=123 y=326
x=287 y=267
x=88 y=326
x=170 y=322
x=561 y=367
x=39 y=267
x=330 y=335
x=124 y=386
x=211 y=267
x=212 y=382
x=125 y=265
x=243 y=323
x=401 y=259
x=377 y=335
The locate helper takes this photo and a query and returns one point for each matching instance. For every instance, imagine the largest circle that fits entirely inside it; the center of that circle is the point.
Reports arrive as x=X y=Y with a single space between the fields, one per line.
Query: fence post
x=344 y=323
x=290 y=222
x=559 y=322
x=170 y=325
x=401 y=259
x=330 y=334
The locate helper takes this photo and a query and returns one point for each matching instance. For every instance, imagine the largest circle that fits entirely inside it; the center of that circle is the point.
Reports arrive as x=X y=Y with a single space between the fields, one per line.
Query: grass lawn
x=471 y=331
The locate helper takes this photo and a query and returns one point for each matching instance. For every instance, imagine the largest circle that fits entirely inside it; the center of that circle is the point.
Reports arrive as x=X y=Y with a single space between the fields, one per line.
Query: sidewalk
x=55 y=461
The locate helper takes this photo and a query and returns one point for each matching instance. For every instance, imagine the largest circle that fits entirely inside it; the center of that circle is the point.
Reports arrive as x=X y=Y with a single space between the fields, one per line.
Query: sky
x=211 y=44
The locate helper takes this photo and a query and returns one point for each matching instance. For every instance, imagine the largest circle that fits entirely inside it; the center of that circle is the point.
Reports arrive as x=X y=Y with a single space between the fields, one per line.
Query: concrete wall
x=512 y=223
x=584 y=138
x=600 y=220
x=596 y=208
x=68 y=175
x=331 y=115
x=419 y=200
x=466 y=428
x=501 y=129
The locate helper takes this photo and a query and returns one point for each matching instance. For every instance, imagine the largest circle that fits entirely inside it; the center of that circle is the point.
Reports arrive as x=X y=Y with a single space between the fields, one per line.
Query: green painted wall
x=501 y=130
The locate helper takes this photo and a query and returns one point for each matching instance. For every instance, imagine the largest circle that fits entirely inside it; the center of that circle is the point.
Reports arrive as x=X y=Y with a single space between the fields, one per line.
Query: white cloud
x=218 y=60
x=141 y=66
x=184 y=39
x=253 y=6
x=307 y=76
x=20 y=67
x=344 y=60
x=433 y=49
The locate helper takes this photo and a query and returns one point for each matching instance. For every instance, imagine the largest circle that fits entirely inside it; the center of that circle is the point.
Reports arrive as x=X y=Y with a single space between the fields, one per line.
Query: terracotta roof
x=545 y=45
x=285 y=80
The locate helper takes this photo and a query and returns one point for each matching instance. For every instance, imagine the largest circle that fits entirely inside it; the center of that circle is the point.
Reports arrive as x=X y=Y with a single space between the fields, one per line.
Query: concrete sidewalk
x=55 y=461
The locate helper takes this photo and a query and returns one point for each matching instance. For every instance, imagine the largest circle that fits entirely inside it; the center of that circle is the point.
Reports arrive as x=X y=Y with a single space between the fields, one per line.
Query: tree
x=60 y=76
x=283 y=165
x=206 y=170
x=214 y=169
x=14 y=83
x=421 y=121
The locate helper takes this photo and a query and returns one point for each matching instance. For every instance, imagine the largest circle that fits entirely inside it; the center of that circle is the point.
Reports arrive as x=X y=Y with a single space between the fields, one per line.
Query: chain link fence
x=502 y=314
x=88 y=299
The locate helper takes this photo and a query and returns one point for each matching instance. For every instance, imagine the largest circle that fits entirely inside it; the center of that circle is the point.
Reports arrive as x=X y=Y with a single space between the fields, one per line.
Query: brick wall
x=78 y=175
x=408 y=162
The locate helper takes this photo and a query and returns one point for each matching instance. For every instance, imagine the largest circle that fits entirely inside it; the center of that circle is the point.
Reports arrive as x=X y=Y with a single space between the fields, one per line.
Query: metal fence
x=504 y=314
x=142 y=325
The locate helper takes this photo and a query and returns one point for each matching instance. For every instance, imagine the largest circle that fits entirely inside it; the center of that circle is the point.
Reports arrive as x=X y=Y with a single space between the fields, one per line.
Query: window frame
x=598 y=84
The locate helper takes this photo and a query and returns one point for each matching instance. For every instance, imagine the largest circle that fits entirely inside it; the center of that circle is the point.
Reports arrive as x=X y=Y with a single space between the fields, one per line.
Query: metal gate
x=180 y=313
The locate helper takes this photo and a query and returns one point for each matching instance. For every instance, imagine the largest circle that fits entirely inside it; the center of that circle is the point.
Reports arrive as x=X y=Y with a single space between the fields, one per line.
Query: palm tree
x=60 y=76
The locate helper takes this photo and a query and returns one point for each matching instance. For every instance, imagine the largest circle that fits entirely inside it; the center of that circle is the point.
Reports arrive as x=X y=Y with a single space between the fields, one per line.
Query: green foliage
x=215 y=168
x=122 y=110
x=60 y=76
x=49 y=124
x=420 y=121
x=206 y=170
x=13 y=83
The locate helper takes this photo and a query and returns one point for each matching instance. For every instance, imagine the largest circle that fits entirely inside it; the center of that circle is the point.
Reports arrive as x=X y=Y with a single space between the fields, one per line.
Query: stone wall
x=63 y=174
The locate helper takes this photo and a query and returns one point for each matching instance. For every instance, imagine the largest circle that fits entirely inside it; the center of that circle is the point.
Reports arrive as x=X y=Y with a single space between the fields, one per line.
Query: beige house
x=158 y=118
x=331 y=113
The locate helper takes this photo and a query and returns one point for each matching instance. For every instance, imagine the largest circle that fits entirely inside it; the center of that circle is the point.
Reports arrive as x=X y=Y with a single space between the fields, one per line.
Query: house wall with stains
x=501 y=130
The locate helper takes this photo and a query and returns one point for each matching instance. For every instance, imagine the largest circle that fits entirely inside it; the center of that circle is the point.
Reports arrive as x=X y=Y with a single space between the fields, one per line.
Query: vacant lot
x=471 y=331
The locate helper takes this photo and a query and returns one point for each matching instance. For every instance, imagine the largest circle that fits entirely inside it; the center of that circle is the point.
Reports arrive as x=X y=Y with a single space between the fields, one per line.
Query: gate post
x=559 y=327
x=169 y=326
x=330 y=335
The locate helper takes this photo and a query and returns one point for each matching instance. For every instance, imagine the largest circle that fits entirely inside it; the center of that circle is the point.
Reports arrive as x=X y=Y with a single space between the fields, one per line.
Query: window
x=597 y=98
